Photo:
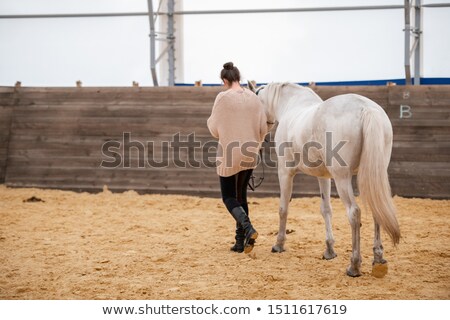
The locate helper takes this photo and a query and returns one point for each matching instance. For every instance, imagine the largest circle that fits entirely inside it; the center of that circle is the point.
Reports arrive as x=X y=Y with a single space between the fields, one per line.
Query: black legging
x=234 y=190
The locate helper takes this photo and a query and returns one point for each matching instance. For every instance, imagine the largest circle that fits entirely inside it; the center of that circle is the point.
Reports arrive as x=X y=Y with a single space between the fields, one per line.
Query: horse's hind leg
x=286 y=180
x=325 y=209
x=377 y=246
x=345 y=190
x=379 y=265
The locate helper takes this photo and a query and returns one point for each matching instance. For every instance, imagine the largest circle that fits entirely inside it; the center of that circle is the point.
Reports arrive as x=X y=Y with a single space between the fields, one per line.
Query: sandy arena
x=130 y=246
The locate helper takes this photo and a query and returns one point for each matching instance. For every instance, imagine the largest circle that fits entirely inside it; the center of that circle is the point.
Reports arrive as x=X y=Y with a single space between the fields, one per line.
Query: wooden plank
x=111 y=111
x=420 y=131
x=32 y=96
x=150 y=128
x=443 y=146
x=409 y=95
x=412 y=122
x=439 y=96
x=5 y=126
x=404 y=187
x=398 y=155
x=420 y=113
x=174 y=120
x=422 y=137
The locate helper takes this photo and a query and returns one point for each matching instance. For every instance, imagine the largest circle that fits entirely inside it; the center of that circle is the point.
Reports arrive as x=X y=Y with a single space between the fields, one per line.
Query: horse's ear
x=252 y=85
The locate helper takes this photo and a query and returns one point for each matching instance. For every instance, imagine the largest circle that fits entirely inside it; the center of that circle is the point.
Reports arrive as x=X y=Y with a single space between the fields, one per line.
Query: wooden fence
x=59 y=137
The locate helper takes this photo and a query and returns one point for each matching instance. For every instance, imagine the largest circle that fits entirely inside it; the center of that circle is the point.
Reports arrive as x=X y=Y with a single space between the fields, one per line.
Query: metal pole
x=281 y=10
x=171 y=41
x=418 y=34
x=436 y=5
x=407 y=43
x=152 y=43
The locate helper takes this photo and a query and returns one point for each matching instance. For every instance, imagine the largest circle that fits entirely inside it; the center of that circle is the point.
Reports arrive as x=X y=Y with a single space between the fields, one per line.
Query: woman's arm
x=263 y=125
x=214 y=119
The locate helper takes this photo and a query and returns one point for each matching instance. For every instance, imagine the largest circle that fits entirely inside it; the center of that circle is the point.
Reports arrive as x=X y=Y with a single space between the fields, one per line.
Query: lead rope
x=251 y=183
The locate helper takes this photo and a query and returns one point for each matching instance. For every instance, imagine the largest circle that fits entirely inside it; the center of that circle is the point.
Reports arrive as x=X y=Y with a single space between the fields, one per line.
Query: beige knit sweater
x=239 y=122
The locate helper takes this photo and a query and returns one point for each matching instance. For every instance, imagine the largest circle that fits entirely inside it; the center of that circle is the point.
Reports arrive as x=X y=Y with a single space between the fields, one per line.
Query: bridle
x=270 y=122
x=251 y=183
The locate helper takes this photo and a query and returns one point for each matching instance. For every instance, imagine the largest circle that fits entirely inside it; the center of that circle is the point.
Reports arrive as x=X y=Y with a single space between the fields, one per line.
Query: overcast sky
x=299 y=47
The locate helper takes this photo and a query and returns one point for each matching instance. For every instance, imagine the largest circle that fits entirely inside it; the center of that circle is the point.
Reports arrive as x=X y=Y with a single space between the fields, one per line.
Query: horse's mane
x=275 y=86
x=292 y=85
x=274 y=90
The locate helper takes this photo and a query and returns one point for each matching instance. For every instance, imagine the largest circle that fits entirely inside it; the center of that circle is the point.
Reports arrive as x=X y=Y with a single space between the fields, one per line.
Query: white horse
x=337 y=138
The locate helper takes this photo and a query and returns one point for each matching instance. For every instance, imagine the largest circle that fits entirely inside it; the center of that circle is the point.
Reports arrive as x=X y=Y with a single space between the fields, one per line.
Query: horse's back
x=350 y=108
x=340 y=119
x=349 y=102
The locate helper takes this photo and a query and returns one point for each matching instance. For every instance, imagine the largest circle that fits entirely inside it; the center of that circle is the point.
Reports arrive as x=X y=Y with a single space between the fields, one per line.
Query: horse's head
x=268 y=95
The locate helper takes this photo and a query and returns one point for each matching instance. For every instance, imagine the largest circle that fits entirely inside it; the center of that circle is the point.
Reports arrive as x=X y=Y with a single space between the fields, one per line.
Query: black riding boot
x=239 y=237
x=250 y=233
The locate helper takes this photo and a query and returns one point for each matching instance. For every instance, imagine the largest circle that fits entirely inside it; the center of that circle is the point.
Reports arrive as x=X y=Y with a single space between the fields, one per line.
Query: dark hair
x=230 y=73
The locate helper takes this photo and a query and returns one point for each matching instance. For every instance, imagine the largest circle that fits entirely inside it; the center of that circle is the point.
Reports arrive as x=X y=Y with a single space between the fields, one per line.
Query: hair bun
x=228 y=66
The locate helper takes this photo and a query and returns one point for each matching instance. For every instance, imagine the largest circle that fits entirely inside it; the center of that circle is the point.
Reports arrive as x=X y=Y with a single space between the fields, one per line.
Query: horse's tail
x=373 y=180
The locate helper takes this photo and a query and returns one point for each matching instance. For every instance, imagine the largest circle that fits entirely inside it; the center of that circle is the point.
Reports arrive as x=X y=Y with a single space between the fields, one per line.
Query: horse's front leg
x=286 y=180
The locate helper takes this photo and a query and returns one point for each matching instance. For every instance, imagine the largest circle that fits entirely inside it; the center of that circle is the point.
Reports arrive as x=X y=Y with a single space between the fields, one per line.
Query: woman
x=239 y=122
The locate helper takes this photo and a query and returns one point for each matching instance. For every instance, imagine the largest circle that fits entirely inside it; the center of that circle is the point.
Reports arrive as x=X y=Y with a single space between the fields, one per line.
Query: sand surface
x=130 y=246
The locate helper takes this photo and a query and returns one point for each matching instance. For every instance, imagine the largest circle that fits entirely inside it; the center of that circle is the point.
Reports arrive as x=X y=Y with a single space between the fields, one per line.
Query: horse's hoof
x=329 y=255
x=353 y=273
x=277 y=249
x=379 y=270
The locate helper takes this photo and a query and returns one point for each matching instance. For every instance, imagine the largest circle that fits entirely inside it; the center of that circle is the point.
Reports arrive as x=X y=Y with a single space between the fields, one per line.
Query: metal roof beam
x=198 y=12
